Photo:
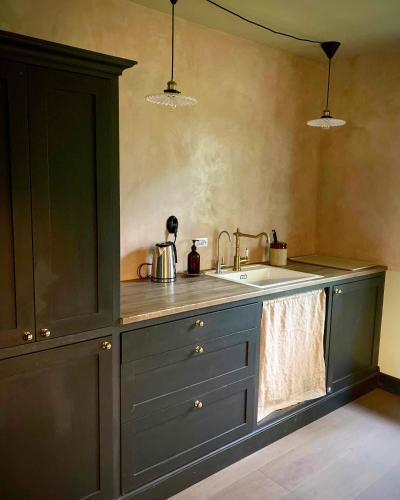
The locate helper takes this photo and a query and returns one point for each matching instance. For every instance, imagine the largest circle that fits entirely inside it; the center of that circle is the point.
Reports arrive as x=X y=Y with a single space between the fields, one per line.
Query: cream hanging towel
x=292 y=366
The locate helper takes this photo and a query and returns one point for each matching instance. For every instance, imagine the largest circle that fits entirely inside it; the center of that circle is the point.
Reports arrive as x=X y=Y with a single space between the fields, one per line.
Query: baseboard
x=389 y=383
x=200 y=469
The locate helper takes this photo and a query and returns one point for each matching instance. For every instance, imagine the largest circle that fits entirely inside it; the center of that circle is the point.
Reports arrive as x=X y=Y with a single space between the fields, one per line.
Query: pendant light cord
x=173 y=42
x=329 y=84
x=261 y=25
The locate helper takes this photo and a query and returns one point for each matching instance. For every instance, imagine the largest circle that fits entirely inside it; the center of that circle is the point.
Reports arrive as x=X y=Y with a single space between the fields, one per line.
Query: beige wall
x=359 y=200
x=359 y=204
x=389 y=357
x=243 y=156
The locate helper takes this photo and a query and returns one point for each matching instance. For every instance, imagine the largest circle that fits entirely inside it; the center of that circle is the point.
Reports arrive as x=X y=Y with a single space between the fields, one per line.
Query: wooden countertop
x=142 y=299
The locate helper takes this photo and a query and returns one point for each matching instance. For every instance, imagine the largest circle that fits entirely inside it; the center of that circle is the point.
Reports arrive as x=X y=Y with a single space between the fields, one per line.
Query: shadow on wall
x=128 y=262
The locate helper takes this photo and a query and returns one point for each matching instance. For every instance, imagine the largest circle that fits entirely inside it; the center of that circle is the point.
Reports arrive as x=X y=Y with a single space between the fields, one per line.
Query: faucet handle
x=245 y=259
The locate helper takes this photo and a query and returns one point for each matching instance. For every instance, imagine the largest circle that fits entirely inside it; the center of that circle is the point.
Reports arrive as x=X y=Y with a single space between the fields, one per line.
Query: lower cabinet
x=178 y=405
x=188 y=388
x=56 y=424
x=354 y=331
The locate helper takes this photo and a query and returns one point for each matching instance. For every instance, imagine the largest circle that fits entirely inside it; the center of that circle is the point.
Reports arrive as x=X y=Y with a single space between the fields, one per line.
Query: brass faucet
x=238 y=260
x=220 y=261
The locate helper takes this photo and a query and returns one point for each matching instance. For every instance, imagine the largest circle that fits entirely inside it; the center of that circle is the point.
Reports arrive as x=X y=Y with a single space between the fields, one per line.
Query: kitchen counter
x=143 y=300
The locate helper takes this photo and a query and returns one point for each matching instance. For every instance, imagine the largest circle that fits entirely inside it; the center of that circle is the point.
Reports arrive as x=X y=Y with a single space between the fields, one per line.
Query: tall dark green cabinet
x=59 y=268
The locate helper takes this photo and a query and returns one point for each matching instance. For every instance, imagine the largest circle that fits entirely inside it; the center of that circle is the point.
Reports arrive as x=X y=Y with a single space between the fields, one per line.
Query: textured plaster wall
x=243 y=157
x=359 y=200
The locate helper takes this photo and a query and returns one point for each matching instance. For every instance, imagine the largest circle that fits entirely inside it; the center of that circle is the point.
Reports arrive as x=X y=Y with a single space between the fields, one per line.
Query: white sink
x=263 y=276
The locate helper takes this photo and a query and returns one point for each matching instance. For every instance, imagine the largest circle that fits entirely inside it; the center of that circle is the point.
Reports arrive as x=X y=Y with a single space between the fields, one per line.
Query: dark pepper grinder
x=193 y=261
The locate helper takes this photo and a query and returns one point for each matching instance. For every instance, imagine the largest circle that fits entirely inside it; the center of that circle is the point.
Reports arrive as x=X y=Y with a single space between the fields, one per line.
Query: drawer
x=165 y=379
x=183 y=332
x=160 y=443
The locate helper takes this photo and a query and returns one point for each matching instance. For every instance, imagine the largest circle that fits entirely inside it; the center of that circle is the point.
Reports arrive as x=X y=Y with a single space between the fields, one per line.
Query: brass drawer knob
x=106 y=345
x=198 y=404
x=199 y=349
x=44 y=332
x=199 y=323
x=338 y=290
x=27 y=336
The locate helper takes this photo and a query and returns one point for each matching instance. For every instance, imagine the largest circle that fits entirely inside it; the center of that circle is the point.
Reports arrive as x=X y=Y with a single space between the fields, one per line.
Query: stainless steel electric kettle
x=163 y=269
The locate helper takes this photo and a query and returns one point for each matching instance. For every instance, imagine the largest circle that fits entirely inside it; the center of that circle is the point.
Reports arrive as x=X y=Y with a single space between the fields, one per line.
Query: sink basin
x=263 y=276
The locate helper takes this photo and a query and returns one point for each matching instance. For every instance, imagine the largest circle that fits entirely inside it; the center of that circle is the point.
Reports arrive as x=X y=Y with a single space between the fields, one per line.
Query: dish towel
x=292 y=366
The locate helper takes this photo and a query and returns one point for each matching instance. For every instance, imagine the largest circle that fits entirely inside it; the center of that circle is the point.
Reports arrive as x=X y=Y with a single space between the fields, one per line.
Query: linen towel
x=292 y=366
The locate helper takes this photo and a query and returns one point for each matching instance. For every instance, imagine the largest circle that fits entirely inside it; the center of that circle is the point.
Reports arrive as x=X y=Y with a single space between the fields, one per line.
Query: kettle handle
x=176 y=255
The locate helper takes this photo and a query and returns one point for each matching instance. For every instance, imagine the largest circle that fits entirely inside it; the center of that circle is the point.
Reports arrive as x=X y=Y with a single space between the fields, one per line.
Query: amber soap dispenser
x=193 y=267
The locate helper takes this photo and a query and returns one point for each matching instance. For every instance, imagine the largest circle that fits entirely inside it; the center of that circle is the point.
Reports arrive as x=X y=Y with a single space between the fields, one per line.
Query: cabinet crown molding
x=34 y=51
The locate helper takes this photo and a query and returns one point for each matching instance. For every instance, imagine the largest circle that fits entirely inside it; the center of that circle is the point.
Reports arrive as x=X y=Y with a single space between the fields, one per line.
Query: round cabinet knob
x=329 y=390
x=27 y=336
x=199 y=349
x=338 y=290
x=106 y=345
x=198 y=404
x=200 y=323
x=45 y=333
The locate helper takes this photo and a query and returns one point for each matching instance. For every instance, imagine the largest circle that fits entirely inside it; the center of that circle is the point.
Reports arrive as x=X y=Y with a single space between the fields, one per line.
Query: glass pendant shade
x=326 y=121
x=171 y=96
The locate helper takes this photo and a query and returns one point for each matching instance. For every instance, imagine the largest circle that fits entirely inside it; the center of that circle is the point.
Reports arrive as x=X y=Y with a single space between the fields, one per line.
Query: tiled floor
x=352 y=453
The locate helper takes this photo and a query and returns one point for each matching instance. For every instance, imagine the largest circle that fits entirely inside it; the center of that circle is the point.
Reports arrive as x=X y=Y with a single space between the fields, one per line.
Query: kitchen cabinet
x=17 y=321
x=354 y=331
x=56 y=423
x=211 y=358
x=180 y=404
x=59 y=270
x=59 y=223
x=70 y=118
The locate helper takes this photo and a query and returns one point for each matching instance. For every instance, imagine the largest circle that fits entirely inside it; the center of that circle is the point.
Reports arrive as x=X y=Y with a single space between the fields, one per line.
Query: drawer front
x=158 y=444
x=196 y=329
x=165 y=379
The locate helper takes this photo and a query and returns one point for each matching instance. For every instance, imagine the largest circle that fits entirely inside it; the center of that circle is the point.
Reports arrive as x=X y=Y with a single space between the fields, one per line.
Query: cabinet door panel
x=170 y=438
x=55 y=424
x=355 y=329
x=70 y=126
x=16 y=271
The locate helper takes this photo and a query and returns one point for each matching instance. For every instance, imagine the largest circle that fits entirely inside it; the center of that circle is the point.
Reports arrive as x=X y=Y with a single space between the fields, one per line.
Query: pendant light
x=171 y=96
x=327 y=120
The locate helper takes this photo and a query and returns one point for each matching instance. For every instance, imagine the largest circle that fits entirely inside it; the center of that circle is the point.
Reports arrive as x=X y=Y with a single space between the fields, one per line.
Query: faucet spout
x=219 y=261
x=238 y=260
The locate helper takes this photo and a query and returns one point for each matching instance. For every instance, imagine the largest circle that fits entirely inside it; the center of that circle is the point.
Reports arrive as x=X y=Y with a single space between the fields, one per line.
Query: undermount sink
x=263 y=276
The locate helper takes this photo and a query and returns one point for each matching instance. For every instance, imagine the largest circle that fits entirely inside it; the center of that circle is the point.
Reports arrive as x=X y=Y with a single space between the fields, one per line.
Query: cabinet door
x=72 y=200
x=163 y=441
x=16 y=271
x=56 y=424
x=355 y=331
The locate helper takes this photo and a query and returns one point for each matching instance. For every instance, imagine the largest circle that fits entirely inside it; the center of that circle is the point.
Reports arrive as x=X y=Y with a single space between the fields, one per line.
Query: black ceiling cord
x=261 y=25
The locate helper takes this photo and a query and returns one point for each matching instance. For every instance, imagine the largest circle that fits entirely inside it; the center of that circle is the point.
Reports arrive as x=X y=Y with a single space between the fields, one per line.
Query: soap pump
x=193 y=268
